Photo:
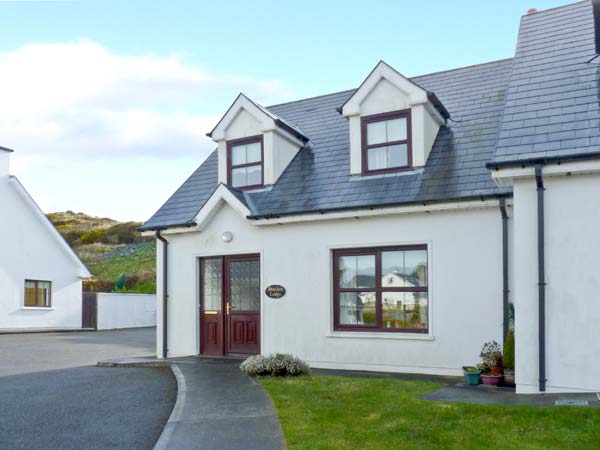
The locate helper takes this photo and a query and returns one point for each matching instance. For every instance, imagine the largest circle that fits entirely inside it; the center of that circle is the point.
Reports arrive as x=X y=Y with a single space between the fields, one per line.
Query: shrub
x=279 y=364
x=508 y=360
x=91 y=236
x=98 y=285
x=255 y=365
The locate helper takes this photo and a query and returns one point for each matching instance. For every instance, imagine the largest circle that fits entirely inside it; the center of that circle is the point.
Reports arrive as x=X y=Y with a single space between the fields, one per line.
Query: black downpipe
x=165 y=291
x=541 y=277
x=505 y=290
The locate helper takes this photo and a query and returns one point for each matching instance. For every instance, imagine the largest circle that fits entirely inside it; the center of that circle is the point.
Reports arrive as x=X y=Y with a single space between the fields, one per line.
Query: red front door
x=230 y=305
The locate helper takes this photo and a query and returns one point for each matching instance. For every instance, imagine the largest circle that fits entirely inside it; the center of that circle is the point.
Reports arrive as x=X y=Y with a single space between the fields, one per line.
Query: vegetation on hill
x=117 y=255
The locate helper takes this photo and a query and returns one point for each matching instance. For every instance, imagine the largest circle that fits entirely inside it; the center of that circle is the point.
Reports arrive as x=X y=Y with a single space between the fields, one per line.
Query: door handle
x=228 y=308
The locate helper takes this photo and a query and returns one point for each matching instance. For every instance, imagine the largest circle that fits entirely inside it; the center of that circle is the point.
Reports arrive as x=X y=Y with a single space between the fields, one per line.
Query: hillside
x=114 y=252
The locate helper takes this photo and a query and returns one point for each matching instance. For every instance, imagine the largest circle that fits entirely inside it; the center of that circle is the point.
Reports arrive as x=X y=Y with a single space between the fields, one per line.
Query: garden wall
x=126 y=311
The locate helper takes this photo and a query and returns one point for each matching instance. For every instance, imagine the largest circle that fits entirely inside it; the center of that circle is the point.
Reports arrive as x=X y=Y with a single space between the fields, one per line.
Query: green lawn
x=327 y=412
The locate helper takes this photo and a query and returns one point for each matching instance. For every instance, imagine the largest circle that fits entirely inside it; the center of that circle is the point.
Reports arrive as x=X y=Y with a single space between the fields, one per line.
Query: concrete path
x=486 y=395
x=217 y=407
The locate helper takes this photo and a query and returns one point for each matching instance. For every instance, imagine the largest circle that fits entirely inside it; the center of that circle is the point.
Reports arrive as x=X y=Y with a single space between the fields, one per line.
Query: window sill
x=381 y=335
x=367 y=176
x=38 y=308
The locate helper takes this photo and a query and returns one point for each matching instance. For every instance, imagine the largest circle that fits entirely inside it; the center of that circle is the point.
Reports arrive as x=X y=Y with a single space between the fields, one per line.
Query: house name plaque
x=275 y=291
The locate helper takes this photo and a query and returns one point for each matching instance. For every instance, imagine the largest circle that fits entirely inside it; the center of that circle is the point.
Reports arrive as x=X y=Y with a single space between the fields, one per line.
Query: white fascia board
x=506 y=177
x=288 y=137
x=433 y=112
x=415 y=94
x=82 y=270
x=365 y=213
x=219 y=197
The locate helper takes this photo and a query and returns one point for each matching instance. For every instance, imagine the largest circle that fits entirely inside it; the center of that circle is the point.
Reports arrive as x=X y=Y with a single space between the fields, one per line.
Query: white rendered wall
x=572 y=220
x=465 y=266
x=28 y=251
x=126 y=311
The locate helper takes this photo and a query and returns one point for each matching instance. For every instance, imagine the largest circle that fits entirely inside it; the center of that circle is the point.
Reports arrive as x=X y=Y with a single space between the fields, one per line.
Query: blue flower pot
x=472 y=378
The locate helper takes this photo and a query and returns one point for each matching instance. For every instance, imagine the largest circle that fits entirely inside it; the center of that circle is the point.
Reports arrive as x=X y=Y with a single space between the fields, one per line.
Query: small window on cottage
x=245 y=161
x=386 y=142
x=38 y=293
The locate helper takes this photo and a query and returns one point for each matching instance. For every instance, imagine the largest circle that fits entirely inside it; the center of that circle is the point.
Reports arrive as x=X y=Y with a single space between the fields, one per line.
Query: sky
x=107 y=104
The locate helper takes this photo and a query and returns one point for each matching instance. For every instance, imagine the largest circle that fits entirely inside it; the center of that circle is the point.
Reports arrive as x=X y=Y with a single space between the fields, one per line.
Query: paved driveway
x=53 y=397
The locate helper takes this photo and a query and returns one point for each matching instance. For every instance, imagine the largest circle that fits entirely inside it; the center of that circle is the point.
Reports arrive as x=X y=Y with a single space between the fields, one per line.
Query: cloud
x=79 y=100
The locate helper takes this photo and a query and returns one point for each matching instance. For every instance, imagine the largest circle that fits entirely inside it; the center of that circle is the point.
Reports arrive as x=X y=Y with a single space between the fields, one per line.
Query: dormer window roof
x=246 y=103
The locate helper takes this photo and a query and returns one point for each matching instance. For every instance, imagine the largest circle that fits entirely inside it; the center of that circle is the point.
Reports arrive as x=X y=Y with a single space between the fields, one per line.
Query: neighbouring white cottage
x=401 y=218
x=40 y=275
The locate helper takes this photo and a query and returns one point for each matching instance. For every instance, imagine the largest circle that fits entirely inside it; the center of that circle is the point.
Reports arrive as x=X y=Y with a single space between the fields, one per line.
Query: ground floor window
x=381 y=289
x=38 y=293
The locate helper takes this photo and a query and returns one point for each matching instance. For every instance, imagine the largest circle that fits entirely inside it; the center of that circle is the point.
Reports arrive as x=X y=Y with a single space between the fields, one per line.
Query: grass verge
x=329 y=412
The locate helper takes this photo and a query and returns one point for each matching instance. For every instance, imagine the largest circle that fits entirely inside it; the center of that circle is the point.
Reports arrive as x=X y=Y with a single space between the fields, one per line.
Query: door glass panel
x=244 y=285
x=357 y=308
x=212 y=286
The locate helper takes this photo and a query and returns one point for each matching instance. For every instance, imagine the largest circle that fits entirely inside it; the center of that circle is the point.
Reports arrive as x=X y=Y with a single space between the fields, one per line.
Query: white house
x=475 y=187
x=40 y=276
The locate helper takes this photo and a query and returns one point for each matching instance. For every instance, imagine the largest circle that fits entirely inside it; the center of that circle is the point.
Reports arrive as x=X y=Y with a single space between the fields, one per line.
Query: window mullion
x=378 y=308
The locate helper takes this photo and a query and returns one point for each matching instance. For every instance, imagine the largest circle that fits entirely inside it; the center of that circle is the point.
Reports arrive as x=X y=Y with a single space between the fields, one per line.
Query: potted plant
x=508 y=359
x=471 y=374
x=491 y=364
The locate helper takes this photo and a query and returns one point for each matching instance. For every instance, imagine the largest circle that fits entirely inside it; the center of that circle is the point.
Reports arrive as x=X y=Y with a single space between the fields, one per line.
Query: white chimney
x=4 y=161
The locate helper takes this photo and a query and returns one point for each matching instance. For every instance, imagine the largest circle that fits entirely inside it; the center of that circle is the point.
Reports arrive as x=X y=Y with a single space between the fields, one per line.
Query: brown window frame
x=364 y=121
x=230 y=166
x=378 y=289
x=49 y=305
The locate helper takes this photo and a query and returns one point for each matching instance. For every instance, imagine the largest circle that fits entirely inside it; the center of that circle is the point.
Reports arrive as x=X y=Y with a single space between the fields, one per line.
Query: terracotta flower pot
x=491 y=380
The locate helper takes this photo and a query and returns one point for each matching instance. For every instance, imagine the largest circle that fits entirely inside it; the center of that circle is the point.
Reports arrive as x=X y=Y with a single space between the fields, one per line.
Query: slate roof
x=542 y=102
x=553 y=99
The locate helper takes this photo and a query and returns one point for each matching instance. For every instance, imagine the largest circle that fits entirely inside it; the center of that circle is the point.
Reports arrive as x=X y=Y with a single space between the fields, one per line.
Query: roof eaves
x=6 y=149
x=557 y=159
x=380 y=206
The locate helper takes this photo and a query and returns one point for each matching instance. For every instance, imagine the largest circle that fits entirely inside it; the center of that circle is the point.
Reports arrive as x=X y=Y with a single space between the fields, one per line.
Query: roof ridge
x=554 y=7
x=410 y=78
x=464 y=67
x=311 y=98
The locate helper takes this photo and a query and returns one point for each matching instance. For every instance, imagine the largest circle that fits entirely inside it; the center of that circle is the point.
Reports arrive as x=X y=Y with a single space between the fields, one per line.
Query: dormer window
x=386 y=143
x=393 y=123
x=245 y=162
